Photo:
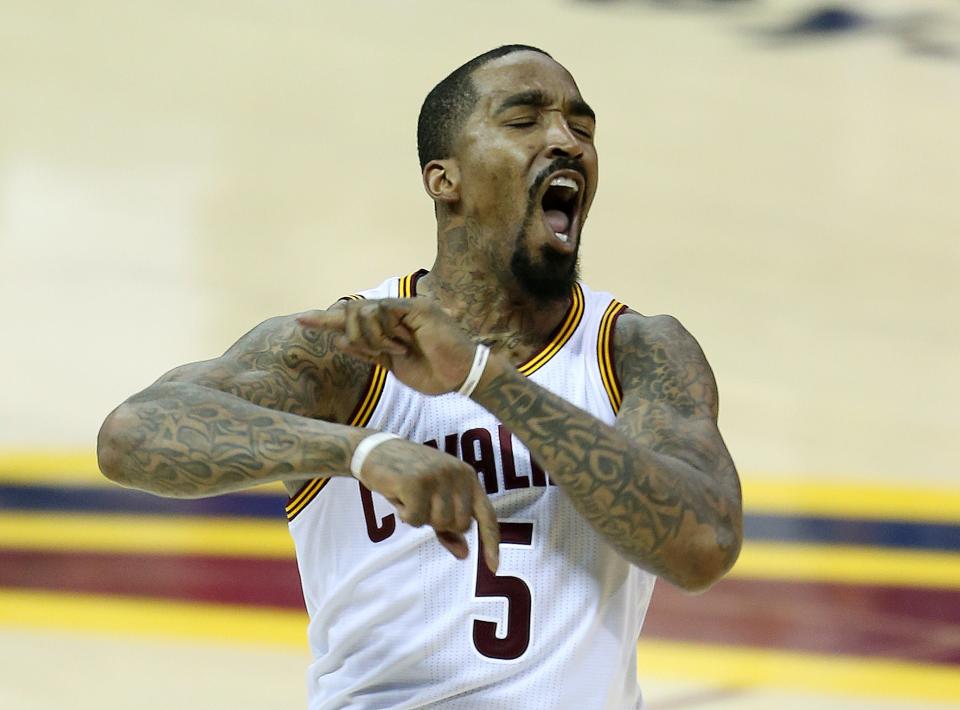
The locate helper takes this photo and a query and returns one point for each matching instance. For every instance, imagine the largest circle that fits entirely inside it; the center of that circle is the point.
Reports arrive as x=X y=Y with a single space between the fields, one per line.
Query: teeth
x=561 y=237
x=565 y=182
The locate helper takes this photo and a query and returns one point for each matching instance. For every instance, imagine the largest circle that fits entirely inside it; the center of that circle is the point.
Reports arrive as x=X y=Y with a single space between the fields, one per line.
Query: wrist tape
x=480 y=357
x=365 y=447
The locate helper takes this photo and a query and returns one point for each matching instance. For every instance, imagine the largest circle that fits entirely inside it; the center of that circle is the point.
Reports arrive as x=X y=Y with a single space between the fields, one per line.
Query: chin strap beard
x=549 y=279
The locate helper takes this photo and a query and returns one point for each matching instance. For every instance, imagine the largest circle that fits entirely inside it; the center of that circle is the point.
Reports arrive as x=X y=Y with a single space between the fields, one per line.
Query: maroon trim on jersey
x=355 y=414
x=414 y=277
x=300 y=490
x=306 y=494
x=612 y=350
x=560 y=336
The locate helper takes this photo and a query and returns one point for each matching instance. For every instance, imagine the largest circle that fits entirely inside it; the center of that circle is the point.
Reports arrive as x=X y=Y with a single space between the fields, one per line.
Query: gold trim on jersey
x=377 y=380
x=608 y=372
x=304 y=496
x=561 y=336
x=361 y=416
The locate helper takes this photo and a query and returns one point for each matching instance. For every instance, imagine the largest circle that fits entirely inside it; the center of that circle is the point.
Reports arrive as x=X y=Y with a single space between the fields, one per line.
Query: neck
x=486 y=300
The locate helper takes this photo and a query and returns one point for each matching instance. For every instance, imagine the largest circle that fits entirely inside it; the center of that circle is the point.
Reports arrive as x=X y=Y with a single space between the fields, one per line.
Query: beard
x=549 y=278
x=552 y=276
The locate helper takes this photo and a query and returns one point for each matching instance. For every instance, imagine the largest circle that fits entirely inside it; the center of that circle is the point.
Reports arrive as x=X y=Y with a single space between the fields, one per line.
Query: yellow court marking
x=849 y=564
x=854 y=500
x=752 y=667
x=147 y=534
x=78 y=467
x=723 y=665
x=140 y=617
x=75 y=468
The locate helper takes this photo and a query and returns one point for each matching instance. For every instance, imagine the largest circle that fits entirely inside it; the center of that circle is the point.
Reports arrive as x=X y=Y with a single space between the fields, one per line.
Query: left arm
x=659 y=485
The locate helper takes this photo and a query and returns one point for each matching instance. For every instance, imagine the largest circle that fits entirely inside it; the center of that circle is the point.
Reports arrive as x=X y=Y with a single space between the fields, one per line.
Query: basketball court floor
x=783 y=182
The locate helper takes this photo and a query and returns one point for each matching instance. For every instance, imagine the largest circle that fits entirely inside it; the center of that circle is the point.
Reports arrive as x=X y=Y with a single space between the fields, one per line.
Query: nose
x=561 y=140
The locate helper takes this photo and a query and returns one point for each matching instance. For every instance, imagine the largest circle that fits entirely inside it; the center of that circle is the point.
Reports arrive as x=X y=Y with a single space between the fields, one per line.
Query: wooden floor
x=782 y=180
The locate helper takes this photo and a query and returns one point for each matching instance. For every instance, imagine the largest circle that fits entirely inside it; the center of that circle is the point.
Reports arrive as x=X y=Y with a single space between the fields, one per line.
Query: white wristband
x=480 y=357
x=365 y=447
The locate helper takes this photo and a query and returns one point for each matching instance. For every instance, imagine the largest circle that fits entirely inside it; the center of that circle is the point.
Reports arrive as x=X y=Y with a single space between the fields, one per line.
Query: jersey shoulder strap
x=394 y=287
x=602 y=312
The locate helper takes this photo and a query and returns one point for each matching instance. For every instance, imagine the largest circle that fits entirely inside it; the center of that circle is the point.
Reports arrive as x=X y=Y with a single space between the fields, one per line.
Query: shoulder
x=282 y=365
x=660 y=332
x=656 y=357
x=311 y=358
x=282 y=342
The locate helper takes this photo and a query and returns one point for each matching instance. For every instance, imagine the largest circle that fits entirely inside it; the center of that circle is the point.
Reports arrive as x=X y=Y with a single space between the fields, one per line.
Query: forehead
x=522 y=71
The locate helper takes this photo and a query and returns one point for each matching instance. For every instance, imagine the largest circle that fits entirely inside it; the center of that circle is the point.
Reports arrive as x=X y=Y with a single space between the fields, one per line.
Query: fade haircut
x=450 y=102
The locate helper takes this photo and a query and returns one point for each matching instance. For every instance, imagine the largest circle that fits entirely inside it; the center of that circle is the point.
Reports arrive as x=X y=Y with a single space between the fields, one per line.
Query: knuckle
x=461 y=523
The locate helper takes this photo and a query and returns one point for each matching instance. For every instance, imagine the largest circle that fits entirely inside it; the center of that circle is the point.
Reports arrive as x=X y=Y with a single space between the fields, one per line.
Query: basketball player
x=579 y=435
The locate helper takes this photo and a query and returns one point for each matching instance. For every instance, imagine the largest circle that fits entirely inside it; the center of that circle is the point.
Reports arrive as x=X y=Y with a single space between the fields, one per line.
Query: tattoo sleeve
x=659 y=485
x=254 y=415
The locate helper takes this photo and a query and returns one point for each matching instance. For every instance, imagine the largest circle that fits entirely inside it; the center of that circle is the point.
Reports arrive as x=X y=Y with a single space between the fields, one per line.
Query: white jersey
x=397 y=622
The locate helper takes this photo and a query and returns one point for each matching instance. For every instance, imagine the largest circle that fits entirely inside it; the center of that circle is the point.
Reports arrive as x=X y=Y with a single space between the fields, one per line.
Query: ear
x=441 y=180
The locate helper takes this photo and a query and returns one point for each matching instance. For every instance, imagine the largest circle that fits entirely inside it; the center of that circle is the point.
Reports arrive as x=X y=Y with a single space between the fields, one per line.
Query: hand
x=430 y=487
x=414 y=338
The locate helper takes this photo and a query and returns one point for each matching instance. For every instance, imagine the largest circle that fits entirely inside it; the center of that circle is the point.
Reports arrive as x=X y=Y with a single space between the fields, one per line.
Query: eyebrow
x=537 y=99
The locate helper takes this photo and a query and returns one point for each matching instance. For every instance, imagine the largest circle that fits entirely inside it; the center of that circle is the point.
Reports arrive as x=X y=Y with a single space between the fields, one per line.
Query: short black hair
x=450 y=102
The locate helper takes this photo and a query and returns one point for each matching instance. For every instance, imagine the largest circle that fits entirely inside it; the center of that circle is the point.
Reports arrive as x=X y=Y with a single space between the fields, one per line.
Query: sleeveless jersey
x=397 y=622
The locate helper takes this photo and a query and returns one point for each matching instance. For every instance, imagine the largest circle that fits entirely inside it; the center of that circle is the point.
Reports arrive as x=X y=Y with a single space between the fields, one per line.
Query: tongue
x=558 y=221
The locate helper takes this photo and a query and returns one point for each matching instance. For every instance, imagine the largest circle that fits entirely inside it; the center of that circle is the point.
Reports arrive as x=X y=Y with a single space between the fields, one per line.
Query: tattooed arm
x=660 y=485
x=257 y=414
x=247 y=417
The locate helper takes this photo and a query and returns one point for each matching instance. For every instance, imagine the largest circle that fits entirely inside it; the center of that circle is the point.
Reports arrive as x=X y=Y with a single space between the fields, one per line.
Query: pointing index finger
x=331 y=320
x=488 y=529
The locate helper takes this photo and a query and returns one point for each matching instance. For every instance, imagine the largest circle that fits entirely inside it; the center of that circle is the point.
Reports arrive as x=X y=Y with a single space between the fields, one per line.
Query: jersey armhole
x=605 y=359
x=360 y=417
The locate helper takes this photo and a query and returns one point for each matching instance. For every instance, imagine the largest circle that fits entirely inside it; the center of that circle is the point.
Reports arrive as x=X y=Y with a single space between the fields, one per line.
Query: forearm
x=184 y=440
x=658 y=511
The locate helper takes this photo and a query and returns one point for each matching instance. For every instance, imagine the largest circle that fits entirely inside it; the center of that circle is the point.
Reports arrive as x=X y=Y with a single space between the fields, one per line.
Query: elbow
x=708 y=559
x=113 y=444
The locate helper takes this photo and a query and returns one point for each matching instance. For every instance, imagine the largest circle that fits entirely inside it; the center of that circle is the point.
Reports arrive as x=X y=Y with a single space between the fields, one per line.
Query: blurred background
x=781 y=175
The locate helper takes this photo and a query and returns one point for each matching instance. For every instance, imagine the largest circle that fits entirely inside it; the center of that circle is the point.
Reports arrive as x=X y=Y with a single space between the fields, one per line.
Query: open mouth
x=561 y=203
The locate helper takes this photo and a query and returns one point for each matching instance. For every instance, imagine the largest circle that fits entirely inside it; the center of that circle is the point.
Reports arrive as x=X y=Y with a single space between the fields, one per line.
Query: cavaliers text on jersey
x=397 y=622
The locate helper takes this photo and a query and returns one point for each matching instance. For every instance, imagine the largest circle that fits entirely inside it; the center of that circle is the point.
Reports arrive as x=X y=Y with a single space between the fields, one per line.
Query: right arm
x=272 y=409
x=266 y=410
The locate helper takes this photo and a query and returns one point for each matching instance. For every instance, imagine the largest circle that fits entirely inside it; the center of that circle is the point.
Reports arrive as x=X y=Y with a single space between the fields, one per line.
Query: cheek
x=501 y=197
x=593 y=177
x=497 y=190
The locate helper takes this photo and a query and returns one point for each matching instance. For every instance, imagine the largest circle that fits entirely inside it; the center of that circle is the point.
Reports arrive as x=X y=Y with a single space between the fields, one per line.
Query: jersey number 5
x=514 y=643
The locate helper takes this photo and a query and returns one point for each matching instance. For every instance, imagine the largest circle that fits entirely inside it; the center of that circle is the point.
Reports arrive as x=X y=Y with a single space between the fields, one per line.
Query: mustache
x=558 y=164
